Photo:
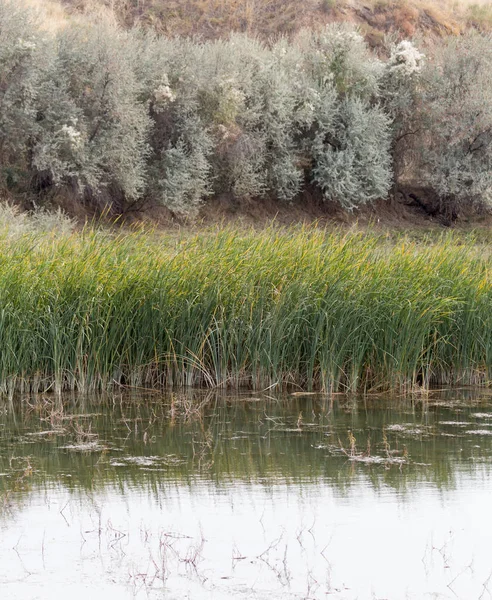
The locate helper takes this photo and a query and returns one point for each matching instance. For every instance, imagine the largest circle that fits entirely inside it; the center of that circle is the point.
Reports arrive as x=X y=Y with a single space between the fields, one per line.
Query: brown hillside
x=265 y=18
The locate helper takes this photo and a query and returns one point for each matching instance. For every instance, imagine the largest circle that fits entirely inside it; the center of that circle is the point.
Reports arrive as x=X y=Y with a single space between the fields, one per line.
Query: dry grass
x=52 y=14
x=479 y=15
x=208 y=18
x=267 y=18
x=441 y=16
x=408 y=17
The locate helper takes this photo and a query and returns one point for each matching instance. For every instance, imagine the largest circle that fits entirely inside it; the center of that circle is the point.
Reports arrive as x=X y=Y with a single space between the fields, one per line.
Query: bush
x=339 y=54
x=23 y=58
x=15 y=224
x=256 y=145
x=457 y=146
x=178 y=174
x=231 y=101
x=401 y=97
x=350 y=150
x=352 y=161
x=95 y=133
x=126 y=117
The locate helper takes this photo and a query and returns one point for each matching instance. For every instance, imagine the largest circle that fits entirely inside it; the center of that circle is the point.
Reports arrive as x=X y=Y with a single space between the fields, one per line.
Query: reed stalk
x=299 y=307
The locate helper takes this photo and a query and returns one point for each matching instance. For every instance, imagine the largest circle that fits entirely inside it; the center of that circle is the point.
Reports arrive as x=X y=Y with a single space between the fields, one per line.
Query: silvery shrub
x=457 y=145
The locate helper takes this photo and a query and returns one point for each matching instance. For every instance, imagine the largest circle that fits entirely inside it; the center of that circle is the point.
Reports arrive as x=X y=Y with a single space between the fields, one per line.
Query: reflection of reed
x=155 y=441
x=21 y=471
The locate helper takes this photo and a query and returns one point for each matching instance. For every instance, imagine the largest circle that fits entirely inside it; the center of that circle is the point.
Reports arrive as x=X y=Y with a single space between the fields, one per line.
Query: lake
x=214 y=496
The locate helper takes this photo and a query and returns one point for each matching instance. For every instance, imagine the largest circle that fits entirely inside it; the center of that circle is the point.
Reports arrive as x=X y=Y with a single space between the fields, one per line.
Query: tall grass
x=302 y=307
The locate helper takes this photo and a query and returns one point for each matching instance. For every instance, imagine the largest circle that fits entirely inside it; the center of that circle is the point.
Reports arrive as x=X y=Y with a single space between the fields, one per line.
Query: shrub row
x=125 y=117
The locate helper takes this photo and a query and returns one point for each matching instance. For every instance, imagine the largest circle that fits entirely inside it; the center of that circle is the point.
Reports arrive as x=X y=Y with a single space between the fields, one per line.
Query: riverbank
x=299 y=308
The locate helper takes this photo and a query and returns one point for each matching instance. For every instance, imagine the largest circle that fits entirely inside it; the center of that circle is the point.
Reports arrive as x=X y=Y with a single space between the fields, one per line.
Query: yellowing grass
x=299 y=307
x=52 y=15
x=270 y=18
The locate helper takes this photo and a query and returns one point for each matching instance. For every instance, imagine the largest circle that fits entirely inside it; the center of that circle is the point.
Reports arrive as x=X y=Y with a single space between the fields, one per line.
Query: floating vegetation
x=396 y=427
x=379 y=460
x=92 y=446
x=46 y=433
x=409 y=429
x=388 y=456
x=147 y=461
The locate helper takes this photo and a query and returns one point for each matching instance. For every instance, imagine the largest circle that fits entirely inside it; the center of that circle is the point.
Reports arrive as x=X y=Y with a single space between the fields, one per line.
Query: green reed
x=301 y=307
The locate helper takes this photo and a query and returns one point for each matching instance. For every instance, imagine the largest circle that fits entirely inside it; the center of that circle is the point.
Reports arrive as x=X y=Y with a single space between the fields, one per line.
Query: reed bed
x=301 y=307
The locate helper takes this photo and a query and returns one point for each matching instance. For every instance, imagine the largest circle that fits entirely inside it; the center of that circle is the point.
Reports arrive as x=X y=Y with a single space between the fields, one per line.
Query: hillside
x=266 y=18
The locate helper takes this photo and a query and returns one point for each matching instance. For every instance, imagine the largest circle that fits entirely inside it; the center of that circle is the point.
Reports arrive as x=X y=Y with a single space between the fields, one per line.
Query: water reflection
x=204 y=495
x=91 y=443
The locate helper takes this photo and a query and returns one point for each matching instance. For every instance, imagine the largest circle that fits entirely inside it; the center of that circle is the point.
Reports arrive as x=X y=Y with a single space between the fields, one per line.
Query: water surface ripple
x=210 y=496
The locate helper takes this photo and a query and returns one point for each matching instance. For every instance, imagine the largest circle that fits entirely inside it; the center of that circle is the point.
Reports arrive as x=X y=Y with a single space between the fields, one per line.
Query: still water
x=215 y=497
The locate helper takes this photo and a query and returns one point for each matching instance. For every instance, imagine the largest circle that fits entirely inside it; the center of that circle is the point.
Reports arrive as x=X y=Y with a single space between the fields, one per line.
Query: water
x=215 y=497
